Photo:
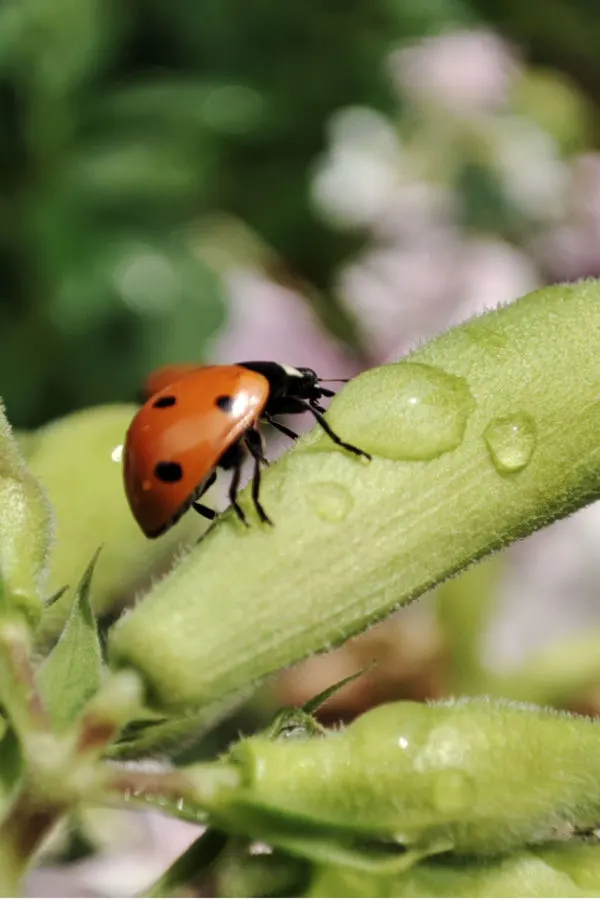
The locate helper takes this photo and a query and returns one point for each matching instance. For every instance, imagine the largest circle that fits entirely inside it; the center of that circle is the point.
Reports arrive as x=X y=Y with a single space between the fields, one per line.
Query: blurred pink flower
x=465 y=71
x=549 y=590
x=406 y=293
x=398 y=293
x=145 y=845
x=267 y=321
x=489 y=273
x=571 y=249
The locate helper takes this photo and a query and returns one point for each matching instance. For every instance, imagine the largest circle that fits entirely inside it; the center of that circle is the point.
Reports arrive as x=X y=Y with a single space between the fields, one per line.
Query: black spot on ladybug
x=163 y=402
x=225 y=403
x=169 y=472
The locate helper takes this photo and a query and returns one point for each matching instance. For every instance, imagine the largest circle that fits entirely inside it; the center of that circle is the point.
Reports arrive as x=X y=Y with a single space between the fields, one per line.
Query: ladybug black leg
x=204 y=510
x=233 y=492
x=310 y=407
x=282 y=428
x=200 y=508
x=254 y=444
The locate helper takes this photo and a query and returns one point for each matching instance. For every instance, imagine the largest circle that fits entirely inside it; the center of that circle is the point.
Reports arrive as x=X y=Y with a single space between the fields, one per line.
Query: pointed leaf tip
x=72 y=673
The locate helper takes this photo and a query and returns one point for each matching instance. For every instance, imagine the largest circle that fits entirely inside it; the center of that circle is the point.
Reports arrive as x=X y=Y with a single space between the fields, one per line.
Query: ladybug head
x=310 y=386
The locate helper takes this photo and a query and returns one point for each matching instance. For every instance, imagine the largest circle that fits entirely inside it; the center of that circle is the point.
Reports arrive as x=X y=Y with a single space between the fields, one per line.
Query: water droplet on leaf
x=419 y=412
x=511 y=442
x=331 y=502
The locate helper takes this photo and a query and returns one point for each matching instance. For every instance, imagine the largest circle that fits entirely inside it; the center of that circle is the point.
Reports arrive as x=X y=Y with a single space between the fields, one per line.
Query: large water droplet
x=331 y=502
x=511 y=442
x=417 y=412
x=453 y=791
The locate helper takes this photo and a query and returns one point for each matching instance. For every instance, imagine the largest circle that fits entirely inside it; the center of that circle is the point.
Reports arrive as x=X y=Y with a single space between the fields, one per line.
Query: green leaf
x=149 y=170
x=299 y=723
x=72 y=673
x=185 y=107
x=50 y=58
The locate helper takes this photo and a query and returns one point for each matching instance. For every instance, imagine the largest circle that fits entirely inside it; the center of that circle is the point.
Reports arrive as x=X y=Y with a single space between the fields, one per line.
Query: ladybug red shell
x=166 y=375
x=198 y=418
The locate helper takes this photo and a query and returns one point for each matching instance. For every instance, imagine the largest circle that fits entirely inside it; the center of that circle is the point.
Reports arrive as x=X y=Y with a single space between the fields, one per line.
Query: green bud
x=78 y=460
x=473 y=776
x=25 y=531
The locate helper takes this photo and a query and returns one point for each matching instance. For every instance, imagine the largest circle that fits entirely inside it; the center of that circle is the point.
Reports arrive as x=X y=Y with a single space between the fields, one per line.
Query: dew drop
x=453 y=791
x=117 y=453
x=332 y=502
x=417 y=412
x=511 y=442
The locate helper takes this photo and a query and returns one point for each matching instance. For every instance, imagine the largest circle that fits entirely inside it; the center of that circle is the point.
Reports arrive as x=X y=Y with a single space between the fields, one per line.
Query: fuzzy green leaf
x=72 y=673
x=25 y=530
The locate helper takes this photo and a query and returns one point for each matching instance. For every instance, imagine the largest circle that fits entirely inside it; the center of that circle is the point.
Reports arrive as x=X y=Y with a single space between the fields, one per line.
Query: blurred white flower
x=353 y=181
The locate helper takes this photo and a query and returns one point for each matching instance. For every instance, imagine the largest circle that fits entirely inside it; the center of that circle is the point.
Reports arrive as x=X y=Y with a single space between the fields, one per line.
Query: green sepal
x=72 y=673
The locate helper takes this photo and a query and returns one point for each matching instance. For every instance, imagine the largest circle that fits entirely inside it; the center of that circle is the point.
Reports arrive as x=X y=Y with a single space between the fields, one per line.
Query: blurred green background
x=325 y=182
x=126 y=128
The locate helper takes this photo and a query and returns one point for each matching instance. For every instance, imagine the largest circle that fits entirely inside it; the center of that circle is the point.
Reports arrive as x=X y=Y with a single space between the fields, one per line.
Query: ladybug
x=200 y=418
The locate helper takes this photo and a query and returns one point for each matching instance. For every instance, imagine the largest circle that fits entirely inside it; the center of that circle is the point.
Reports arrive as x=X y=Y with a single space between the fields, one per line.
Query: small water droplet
x=117 y=453
x=403 y=742
x=453 y=791
x=511 y=442
x=331 y=502
x=418 y=412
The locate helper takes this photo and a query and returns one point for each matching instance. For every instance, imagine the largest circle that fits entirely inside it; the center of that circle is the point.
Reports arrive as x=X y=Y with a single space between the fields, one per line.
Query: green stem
x=19 y=695
x=479 y=438
x=21 y=834
x=193 y=788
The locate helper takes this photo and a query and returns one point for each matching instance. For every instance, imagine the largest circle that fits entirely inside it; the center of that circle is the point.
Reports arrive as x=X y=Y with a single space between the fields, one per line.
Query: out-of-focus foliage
x=149 y=147
x=566 y=35
x=120 y=125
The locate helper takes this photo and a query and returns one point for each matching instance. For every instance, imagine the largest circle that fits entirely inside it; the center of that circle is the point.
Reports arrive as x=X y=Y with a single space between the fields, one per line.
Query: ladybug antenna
x=337 y=380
